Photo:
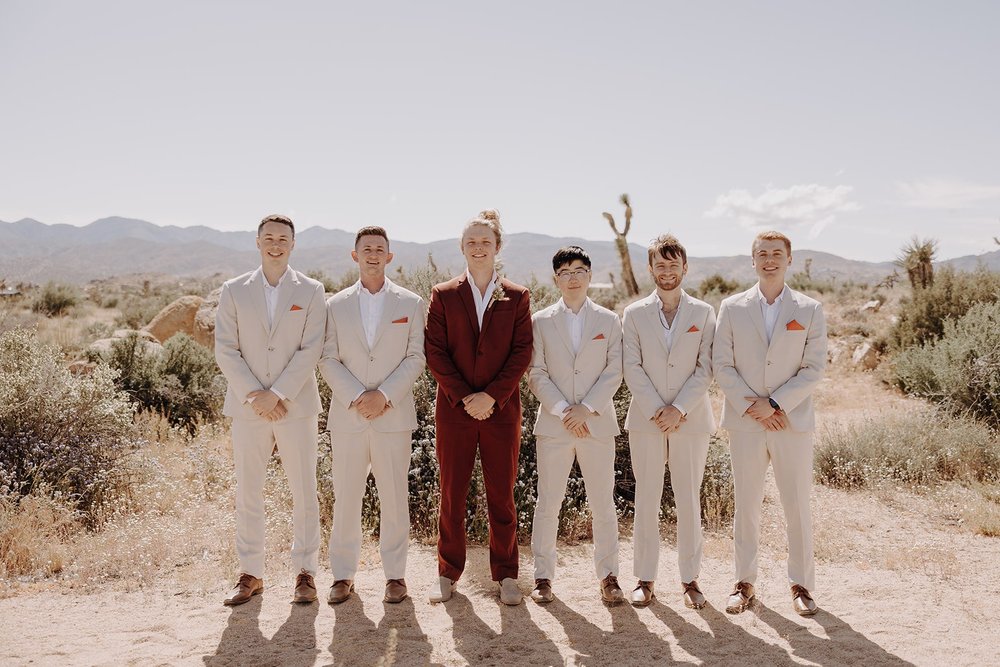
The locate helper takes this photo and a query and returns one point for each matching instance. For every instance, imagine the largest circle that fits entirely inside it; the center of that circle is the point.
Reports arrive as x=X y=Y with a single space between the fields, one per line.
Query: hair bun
x=490 y=214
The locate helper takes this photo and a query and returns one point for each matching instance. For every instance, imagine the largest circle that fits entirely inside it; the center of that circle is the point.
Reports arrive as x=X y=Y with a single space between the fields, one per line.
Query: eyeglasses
x=577 y=273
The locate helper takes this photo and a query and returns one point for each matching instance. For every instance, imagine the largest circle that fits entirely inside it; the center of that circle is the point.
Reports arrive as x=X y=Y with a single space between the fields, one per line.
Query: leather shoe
x=693 y=598
x=305 y=588
x=802 y=601
x=247 y=587
x=442 y=590
x=340 y=591
x=741 y=598
x=611 y=592
x=510 y=594
x=642 y=596
x=543 y=591
x=395 y=591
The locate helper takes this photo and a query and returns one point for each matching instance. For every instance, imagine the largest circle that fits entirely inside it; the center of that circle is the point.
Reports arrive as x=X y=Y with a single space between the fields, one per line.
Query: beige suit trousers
x=597 y=463
x=685 y=453
x=791 y=455
x=253 y=442
x=387 y=456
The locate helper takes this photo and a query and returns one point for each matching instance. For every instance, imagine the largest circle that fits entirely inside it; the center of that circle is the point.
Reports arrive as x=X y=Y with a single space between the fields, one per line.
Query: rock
x=865 y=356
x=836 y=350
x=125 y=333
x=102 y=347
x=204 y=319
x=872 y=305
x=178 y=317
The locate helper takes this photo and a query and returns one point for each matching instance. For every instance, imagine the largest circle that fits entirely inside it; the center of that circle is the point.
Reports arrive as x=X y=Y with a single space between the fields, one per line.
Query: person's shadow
x=242 y=642
x=397 y=639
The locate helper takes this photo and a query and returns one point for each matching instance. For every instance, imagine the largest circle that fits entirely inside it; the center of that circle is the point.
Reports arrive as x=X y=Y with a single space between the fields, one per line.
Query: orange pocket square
x=295 y=307
x=402 y=320
x=599 y=336
x=694 y=329
x=794 y=326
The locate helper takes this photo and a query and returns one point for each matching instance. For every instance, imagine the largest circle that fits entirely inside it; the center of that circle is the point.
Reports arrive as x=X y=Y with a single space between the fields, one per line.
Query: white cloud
x=941 y=193
x=809 y=207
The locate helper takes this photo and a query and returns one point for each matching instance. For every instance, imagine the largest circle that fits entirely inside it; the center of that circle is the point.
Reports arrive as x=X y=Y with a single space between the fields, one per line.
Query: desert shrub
x=913 y=449
x=961 y=370
x=61 y=436
x=717 y=283
x=136 y=311
x=421 y=280
x=182 y=382
x=922 y=316
x=55 y=299
x=33 y=531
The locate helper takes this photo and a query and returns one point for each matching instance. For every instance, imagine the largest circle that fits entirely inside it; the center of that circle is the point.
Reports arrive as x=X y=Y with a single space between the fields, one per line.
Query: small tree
x=917 y=259
x=628 y=277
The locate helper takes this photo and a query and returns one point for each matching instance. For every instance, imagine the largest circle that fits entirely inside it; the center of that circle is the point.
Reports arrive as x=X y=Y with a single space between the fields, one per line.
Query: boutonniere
x=498 y=295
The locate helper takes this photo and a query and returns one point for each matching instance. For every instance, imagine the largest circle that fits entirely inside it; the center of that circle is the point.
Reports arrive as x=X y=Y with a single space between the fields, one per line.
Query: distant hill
x=37 y=252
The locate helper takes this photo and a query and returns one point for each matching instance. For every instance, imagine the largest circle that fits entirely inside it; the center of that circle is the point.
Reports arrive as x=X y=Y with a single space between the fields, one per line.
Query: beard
x=668 y=282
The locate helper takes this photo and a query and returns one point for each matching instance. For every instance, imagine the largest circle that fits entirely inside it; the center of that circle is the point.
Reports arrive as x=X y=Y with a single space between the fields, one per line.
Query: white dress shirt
x=576 y=322
x=482 y=302
x=272 y=294
x=668 y=333
x=770 y=310
x=372 y=306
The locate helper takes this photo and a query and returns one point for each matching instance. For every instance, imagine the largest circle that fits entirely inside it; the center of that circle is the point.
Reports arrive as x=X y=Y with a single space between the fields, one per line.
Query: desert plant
x=55 y=299
x=917 y=259
x=621 y=244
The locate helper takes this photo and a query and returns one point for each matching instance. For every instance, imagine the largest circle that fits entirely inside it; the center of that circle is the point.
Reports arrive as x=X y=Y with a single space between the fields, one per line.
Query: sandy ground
x=896 y=587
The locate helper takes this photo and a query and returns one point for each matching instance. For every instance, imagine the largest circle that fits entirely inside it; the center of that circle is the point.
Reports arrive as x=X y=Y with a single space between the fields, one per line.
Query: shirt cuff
x=387 y=401
x=587 y=405
x=559 y=408
x=278 y=394
x=680 y=408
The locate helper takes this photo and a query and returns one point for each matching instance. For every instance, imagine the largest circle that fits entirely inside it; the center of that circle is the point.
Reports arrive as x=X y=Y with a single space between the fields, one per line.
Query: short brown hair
x=668 y=247
x=771 y=236
x=371 y=230
x=283 y=219
x=489 y=218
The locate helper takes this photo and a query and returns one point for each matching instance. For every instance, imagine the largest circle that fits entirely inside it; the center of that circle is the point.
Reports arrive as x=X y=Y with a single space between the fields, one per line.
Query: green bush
x=961 y=370
x=55 y=299
x=63 y=436
x=182 y=382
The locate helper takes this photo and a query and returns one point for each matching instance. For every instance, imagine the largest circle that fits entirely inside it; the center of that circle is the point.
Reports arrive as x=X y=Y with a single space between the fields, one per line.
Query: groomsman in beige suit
x=373 y=354
x=576 y=368
x=268 y=340
x=668 y=367
x=770 y=353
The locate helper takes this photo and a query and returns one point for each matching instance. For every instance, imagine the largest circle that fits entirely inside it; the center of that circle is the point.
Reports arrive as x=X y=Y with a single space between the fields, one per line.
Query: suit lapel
x=591 y=324
x=652 y=309
x=388 y=312
x=682 y=320
x=784 y=317
x=756 y=316
x=255 y=291
x=560 y=322
x=488 y=315
x=353 y=306
x=465 y=288
x=286 y=295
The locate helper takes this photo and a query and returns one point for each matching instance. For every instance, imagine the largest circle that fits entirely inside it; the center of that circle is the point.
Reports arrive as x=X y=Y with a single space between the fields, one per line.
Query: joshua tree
x=628 y=277
x=917 y=259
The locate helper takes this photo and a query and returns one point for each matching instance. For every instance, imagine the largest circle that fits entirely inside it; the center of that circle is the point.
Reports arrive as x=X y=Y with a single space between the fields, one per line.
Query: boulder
x=872 y=305
x=204 y=319
x=865 y=356
x=178 y=317
x=102 y=347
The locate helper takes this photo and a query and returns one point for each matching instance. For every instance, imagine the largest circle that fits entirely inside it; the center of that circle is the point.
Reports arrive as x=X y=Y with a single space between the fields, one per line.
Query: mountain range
x=35 y=252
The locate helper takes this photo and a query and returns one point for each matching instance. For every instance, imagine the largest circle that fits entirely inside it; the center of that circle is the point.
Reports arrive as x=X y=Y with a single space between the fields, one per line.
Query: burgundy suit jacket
x=465 y=360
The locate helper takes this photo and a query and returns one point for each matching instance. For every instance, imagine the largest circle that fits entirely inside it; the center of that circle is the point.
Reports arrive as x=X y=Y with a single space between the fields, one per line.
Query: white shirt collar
x=763 y=299
x=267 y=285
x=561 y=305
x=385 y=286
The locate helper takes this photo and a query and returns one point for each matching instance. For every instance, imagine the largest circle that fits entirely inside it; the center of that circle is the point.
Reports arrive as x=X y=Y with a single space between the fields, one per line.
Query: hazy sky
x=849 y=125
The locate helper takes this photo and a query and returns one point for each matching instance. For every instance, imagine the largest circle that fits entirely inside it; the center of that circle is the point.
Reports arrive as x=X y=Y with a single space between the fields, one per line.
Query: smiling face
x=771 y=260
x=371 y=252
x=667 y=272
x=573 y=279
x=480 y=247
x=275 y=241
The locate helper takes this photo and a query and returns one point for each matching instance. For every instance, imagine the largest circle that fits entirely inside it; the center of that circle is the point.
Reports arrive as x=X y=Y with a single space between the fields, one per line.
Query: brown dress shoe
x=802 y=601
x=305 y=588
x=693 y=597
x=611 y=592
x=340 y=591
x=741 y=598
x=247 y=587
x=395 y=591
x=542 y=592
x=642 y=596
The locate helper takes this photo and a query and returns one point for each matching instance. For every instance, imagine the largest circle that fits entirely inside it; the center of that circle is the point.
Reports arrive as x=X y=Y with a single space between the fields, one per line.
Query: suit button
x=769 y=363
x=270 y=349
x=371 y=359
x=576 y=372
x=670 y=365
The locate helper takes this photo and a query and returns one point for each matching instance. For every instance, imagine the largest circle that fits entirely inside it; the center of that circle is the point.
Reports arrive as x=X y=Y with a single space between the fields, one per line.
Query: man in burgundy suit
x=478 y=344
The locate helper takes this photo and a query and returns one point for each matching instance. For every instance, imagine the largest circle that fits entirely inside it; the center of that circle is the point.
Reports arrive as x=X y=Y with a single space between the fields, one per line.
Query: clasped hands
x=371 y=404
x=760 y=410
x=575 y=420
x=267 y=404
x=479 y=405
x=668 y=419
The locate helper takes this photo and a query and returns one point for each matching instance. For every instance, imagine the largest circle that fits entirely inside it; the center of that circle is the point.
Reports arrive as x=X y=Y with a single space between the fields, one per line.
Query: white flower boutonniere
x=498 y=295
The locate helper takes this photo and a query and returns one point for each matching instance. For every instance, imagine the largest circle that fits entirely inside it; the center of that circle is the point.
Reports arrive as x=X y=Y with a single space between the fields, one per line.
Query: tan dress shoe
x=395 y=591
x=741 y=598
x=510 y=594
x=642 y=596
x=247 y=587
x=802 y=601
x=305 y=588
x=611 y=592
x=542 y=592
x=693 y=598
x=340 y=591
x=442 y=590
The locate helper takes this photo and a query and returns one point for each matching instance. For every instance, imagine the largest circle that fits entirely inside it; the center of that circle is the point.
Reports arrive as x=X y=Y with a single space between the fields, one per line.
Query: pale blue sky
x=849 y=125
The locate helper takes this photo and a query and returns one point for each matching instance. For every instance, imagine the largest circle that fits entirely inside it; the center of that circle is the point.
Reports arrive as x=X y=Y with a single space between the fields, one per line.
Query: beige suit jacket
x=592 y=375
x=788 y=369
x=392 y=364
x=282 y=356
x=658 y=376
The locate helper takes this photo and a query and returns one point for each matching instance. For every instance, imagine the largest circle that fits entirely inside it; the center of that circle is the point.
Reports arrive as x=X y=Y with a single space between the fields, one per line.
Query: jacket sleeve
x=342 y=382
x=439 y=359
x=610 y=379
x=639 y=384
x=302 y=366
x=506 y=382
x=539 y=382
x=227 y=348
x=401 y=380
x=732 y=384
x=696 y=386
x=798 y=387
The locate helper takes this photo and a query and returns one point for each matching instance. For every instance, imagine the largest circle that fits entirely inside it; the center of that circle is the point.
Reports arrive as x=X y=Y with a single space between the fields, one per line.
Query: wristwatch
x=774 y=404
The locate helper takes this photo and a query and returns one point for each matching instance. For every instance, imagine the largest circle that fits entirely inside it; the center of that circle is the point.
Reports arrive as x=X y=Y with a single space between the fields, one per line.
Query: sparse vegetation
x=55 y=299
